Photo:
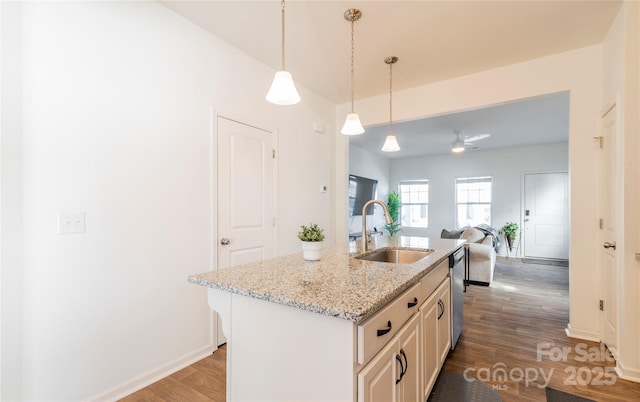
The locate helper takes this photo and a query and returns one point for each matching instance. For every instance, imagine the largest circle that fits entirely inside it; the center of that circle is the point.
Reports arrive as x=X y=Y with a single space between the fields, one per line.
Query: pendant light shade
x=352 y=125
x=283 y=90
x=391 y=142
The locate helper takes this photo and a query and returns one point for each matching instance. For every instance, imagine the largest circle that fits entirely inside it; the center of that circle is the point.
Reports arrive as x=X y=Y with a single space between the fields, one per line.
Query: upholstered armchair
x=482 y=256
x=481 y=253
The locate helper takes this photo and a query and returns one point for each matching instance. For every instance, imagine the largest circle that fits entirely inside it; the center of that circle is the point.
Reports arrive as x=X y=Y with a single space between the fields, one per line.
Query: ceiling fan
x=460 y=145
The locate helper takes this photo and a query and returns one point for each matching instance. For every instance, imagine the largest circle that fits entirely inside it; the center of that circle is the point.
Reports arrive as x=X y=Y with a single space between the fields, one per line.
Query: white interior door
x=546 y=216
x=609 y=193
x=245 y=196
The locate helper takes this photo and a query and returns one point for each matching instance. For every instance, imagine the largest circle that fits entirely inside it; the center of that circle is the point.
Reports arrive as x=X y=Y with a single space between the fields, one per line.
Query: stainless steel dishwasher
x=457 y=264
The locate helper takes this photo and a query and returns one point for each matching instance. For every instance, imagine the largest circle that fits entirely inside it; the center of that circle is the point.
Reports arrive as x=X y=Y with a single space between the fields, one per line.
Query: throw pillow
x=472 y=235
x=451 y=234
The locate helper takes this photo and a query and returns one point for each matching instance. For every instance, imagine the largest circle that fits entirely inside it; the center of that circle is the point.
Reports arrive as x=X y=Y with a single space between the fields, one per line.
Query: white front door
x=609 y=194
x=245 y=197
x=546 y=216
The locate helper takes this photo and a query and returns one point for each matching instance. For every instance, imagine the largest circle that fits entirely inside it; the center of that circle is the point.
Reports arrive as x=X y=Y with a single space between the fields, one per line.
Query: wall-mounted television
x=361 y=190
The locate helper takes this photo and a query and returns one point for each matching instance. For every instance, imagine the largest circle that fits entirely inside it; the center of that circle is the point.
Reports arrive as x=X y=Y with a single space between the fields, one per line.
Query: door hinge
x=600 y=141
x=273 y=153
x=601 y=305
x=601 y=223
x=273 y=222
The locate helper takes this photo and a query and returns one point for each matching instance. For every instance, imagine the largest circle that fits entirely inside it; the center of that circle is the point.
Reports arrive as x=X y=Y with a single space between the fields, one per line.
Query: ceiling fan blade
x=477 y=137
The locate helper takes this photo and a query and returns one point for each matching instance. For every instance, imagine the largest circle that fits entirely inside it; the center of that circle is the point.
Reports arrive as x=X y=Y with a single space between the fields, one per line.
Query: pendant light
x=283 y=90
x=391 y=142
x=458 y=145
x=352 y=125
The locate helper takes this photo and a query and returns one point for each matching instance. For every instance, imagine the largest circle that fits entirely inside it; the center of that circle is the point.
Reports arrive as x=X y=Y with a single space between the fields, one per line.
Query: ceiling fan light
x=283 y=90
x=457 y=146
x=390 y=144
x=352 y=125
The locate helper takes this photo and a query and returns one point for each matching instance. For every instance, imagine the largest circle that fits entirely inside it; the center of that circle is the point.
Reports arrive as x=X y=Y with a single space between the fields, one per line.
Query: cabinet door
x=444 y=320
x=409 y=351
x=430 y=351
x=377 y=381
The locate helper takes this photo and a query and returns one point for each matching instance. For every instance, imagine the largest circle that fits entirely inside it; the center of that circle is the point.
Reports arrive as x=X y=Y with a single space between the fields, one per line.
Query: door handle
x=224 y=241
x=609 y=245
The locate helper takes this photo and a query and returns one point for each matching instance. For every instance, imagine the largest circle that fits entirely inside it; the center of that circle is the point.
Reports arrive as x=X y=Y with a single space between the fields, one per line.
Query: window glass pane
x=473 y=197
x=414 y=196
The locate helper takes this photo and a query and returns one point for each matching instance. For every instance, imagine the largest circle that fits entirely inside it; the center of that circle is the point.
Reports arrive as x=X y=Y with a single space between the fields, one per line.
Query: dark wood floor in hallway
x=523 y=314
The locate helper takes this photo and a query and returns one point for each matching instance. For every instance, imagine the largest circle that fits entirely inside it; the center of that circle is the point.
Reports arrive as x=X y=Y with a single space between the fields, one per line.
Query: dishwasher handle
x=456 y=257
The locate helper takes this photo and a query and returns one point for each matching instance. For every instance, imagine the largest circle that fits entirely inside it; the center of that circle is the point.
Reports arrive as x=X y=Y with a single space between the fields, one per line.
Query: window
x=414 y=197
x=473 y=201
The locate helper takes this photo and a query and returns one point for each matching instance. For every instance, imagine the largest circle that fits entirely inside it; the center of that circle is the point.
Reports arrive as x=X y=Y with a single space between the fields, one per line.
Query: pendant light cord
x=283 y=69
x=390 y=98
x=352 y=59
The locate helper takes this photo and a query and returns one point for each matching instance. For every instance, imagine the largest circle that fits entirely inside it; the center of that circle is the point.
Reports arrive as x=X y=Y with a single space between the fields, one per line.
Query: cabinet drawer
x=433 y=279
x=375 y=332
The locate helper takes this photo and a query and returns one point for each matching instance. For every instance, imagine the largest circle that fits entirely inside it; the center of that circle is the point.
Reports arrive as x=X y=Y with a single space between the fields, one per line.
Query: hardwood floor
x=203 y=381
x=525 y=312
x=506 y=325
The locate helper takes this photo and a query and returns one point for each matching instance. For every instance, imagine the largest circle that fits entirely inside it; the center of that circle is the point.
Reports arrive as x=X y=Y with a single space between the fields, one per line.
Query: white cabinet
x=408 y=347
x=394 y=374
x=444 y=320
x=435 y=321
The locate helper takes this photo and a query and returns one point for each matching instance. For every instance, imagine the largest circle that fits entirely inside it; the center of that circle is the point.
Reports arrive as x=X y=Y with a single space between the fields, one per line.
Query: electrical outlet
x=71 y=222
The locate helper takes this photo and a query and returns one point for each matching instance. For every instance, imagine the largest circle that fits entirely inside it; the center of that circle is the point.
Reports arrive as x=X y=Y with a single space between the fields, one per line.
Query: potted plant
x=311 y=236
x=393 y=205
x=509 y=230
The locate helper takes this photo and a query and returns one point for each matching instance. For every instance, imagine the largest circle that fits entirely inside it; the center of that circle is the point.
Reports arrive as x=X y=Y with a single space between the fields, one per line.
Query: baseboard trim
x=148 y=378
x=585 y=335
x=627 y=373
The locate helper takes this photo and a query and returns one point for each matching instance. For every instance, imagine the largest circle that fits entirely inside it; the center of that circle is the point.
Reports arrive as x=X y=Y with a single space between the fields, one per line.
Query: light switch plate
x=71 y=222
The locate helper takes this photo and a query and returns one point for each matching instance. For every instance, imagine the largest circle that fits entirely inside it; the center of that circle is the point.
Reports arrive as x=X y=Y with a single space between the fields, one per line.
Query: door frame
x=214 y=114
x=522 y=206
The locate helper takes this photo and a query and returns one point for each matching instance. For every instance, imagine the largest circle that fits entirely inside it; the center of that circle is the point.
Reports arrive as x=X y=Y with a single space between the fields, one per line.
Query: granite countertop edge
x=324 y=306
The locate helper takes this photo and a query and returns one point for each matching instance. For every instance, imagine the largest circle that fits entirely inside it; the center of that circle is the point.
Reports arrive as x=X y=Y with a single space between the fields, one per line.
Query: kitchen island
x=299 y=330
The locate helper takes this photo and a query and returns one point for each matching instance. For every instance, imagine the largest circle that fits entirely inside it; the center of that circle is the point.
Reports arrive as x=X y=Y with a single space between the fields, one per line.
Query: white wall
x=621 y=84
x=11 y=256
x=367 y=164
x=116 y=102
x=579 y=72
x=506 y=166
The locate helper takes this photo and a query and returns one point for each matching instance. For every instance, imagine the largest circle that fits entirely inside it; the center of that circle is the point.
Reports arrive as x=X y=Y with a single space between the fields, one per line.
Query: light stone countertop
x=338 y=285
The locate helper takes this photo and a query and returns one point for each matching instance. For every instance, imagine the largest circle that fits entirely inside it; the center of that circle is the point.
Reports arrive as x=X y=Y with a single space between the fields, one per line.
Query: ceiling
x=539 y=120
x=434 y=41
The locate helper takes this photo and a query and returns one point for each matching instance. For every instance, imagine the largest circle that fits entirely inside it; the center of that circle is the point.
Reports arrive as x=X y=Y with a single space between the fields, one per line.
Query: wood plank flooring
x=526 y=311
x=526 y=306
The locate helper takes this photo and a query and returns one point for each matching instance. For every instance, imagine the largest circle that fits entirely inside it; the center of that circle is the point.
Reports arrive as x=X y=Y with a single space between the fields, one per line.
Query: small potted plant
x=393 y=206
x=311 y=236
x=509 y=230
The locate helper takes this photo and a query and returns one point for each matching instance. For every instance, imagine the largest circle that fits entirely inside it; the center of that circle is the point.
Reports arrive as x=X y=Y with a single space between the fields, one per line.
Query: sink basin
x=395 y=255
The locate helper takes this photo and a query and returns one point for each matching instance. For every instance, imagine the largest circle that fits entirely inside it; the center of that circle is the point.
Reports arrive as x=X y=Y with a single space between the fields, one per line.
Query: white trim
x=579 y=334
x=148 y=378
x=627 y=373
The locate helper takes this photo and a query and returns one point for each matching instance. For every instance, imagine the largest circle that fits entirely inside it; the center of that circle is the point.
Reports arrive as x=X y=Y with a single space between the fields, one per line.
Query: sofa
x=482 y=242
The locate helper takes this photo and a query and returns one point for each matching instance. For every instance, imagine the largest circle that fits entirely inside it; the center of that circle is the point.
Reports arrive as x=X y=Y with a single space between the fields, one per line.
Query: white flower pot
x=311 y=250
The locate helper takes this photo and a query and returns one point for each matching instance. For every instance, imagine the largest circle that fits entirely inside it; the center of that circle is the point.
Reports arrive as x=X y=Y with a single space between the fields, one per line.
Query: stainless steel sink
x=395 y=255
